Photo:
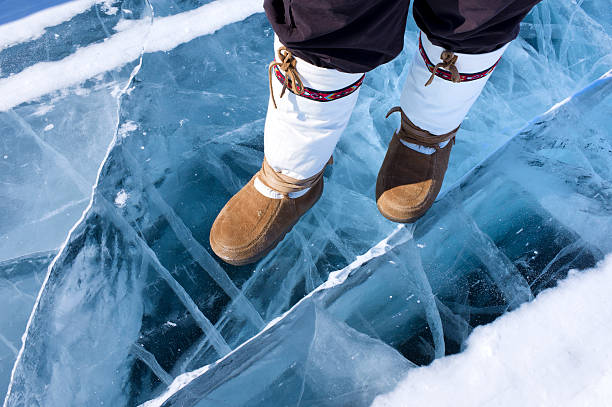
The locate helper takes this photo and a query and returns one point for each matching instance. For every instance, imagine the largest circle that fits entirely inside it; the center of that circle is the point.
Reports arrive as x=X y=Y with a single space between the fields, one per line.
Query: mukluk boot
x=251 y=223
x=409 y=180
x=440 y=89
x=303 y=125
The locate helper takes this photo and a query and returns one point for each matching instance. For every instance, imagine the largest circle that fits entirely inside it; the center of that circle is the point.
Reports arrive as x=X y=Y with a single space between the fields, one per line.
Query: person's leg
x=460 y=43
x=301 y=132
x=325 y=46
x=334 y=43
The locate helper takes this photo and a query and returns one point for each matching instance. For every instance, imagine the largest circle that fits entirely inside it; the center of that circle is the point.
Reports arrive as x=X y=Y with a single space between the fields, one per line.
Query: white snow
x=554 y=351
x=126 y=128
x=121 y=198
x=34 y=25
x=108 y=8
x=120 y=49
x=43 y=109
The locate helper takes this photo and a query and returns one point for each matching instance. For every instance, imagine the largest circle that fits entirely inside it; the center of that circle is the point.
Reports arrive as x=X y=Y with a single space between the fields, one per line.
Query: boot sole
x=400 y=220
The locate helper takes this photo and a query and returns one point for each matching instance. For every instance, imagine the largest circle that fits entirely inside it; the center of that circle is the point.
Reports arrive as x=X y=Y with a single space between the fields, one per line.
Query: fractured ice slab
x=20 y=280
x=51 y=148
x=50 y=155
x=306 y=359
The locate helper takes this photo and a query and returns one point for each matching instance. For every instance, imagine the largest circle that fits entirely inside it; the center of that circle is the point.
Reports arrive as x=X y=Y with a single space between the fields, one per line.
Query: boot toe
x=404 y=203
x=238 y=235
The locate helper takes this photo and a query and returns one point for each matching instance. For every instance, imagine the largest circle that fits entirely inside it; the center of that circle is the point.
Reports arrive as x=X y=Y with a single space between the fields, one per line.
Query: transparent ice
x=135 y=298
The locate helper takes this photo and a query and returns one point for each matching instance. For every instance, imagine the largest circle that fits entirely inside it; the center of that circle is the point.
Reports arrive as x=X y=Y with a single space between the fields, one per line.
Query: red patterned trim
x=321 y=96
x=447 y=75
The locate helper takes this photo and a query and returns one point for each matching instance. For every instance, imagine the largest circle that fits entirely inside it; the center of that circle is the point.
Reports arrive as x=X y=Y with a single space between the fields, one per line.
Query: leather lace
x=285 y=184
x=287 y=65
x=415 y=135
x=448 y=62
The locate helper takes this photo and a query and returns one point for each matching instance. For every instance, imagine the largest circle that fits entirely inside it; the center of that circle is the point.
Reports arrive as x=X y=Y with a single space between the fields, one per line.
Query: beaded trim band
x=321 y=96
x=444 y=74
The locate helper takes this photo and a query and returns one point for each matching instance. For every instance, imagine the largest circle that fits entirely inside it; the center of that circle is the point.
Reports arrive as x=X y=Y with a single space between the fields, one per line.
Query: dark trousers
x=358 y=35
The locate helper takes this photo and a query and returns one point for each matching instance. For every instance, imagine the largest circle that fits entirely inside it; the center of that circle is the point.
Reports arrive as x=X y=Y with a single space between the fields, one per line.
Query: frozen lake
x=126 y=126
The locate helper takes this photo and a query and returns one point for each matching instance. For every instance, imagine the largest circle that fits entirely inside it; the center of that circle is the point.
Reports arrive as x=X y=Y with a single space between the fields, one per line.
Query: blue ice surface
x=136 y=297
x=12 y=10
x=20 y=280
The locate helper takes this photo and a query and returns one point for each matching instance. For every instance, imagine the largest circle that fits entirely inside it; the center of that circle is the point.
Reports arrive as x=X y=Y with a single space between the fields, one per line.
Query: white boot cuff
x=440 y=107
x=300 y=134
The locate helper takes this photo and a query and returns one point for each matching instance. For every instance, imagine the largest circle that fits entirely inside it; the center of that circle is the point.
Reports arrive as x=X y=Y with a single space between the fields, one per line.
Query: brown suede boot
x=250 y=225
x=409 y=181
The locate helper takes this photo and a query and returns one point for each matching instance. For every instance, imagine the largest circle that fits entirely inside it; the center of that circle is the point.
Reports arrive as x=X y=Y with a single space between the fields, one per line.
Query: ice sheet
x=136 y=298
x=32 y=22
x=20 y=280
x=51 y=147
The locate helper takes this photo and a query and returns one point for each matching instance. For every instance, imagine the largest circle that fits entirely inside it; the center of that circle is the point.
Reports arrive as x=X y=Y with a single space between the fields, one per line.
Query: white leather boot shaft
x=440 y=107
x=300 y=134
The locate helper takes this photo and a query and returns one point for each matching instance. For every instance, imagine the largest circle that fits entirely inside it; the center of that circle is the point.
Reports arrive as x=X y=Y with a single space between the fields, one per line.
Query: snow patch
x=49 y=127
x=127 y=127
x=121 y=49
x=554 y=351
x=43 y=109
x=121 y=198
x=108 y=8
x=125 y=24
x=33 y=26
x=177 y=384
